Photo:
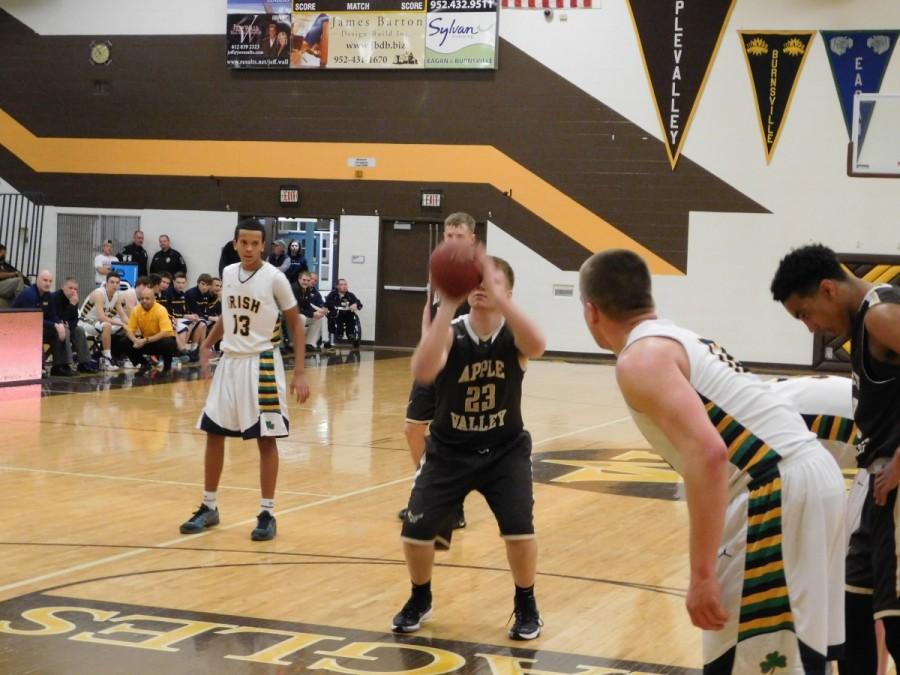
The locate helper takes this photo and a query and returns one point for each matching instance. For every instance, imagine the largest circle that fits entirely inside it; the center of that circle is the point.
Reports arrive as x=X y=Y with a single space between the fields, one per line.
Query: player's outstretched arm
x=652 y=376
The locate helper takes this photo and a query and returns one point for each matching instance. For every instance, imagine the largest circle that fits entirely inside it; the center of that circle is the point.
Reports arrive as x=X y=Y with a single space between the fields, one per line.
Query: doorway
x=405 y=248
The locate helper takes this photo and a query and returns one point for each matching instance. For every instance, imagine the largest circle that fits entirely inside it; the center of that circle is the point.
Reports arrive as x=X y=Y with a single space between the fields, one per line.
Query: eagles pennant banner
x=678 y=40
x=774 y=59
x=859 y=59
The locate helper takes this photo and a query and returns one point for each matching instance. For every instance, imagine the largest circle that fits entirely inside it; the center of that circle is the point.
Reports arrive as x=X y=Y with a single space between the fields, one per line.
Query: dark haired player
x=814 y=288
x=478 y=441
x=247 y=398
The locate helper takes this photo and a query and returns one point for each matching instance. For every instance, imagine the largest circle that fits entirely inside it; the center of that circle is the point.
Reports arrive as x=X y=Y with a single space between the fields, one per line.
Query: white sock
x=211 y=500
x=108 y=354
x=268 y=505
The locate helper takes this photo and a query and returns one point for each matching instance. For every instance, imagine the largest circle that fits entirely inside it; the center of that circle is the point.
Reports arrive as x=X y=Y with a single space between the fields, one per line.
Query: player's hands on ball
x=704 y=603
x=887 y=480
x=299 y=387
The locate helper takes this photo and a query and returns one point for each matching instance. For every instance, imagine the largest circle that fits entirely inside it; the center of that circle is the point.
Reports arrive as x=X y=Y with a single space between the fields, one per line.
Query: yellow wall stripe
x=323 y=161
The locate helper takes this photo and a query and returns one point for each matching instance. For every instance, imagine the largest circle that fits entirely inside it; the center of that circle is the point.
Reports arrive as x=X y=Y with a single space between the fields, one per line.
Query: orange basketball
x=453 y=268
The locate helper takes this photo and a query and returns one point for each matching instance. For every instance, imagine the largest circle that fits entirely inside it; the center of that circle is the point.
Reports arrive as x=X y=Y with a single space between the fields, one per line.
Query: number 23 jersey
x=251 y=305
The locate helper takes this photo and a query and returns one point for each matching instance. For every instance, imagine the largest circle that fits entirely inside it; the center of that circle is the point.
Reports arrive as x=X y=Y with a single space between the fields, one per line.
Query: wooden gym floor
x=98 y=473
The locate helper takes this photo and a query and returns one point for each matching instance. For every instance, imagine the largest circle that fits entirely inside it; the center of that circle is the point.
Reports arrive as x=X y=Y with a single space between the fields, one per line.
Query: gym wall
x=569 y=111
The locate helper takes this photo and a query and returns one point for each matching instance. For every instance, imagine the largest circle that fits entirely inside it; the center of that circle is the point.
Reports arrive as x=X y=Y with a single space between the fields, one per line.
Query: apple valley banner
x=774 y=59
x=678 y=41
x=362 y=34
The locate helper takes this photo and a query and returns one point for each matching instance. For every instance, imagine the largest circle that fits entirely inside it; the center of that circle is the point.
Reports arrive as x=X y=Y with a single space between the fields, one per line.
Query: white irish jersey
x=251 y=305
x=88 y=311
x=759 y=426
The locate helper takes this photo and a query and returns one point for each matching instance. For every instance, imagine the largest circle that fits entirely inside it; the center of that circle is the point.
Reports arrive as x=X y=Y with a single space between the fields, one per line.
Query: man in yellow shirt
x=157 y=337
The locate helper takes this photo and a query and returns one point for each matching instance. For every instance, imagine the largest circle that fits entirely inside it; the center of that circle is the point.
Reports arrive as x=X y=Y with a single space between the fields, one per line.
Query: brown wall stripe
x=597 y=166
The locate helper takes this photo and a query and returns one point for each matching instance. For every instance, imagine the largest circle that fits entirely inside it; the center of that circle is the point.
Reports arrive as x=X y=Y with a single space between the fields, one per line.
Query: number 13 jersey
x=251 y=306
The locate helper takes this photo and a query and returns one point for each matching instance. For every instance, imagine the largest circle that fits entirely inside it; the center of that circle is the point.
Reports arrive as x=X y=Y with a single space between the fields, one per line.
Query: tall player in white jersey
x=765 y=500
x=247 y=398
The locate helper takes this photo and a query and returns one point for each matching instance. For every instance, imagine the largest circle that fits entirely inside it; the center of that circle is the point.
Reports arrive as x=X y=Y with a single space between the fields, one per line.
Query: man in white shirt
x=103 y=263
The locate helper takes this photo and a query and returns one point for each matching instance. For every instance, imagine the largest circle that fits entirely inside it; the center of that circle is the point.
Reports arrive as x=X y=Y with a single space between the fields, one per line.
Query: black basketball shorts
x=502 y=474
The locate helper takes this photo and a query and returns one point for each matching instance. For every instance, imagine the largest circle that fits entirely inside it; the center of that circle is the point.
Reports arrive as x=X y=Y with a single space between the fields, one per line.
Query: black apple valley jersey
x=876 y=386
x=478 y=394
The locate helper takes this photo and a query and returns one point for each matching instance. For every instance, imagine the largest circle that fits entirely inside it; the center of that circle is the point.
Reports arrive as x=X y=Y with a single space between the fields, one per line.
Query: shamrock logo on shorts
x=773 y=661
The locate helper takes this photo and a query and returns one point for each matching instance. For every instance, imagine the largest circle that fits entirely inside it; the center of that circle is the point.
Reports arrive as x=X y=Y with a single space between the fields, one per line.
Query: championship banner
x=774 y=59
x=859 y=59
x=362 y=34
x=678 y=40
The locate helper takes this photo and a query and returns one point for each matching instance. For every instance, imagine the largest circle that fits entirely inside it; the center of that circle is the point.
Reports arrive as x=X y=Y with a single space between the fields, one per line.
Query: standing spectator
x=228 y=256
x=278 y=258
x=298 y=261
x=136 y=253
x=38 y=297
x=11 y=280
x=343 y=306
x=167 y=259
x=157 y=338
x=65 y=305
x=103 y=262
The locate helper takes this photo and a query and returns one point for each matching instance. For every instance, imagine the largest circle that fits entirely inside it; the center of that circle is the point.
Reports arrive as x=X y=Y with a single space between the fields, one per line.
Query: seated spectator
x=198 y=298
x=162 y=288
x=37 y=296
x=278 y=257
x=343 y=306
x=311 y=312
x=167 y=259
x=100 y=316
x=189 y=330
x=150 y=332
x=12 y=281
x=103 y=262
x=214 y=309
x=298 y=262
x=319 y=301
x=65 y=305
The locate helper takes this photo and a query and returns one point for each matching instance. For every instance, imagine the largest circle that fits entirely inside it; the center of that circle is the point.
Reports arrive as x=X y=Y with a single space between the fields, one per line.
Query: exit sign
x=289 y=195
x=432 y=199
